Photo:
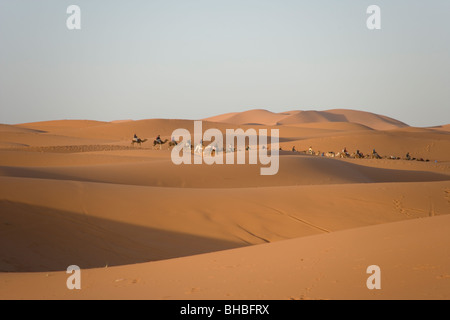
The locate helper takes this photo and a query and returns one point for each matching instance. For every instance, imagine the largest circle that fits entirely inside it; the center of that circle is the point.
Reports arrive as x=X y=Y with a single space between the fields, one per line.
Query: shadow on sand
x=37 y=239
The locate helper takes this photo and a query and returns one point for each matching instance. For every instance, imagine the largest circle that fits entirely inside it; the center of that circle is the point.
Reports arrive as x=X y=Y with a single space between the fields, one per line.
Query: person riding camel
x=135 y=138
x=375 y=154
x=359 y=154
x=158 y=139
x=345 y=152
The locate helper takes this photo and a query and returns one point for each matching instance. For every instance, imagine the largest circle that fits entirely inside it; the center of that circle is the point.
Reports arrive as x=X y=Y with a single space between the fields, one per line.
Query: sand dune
x=124 y=131
x=333 y=126
x=56 y=125
x=372 y=120
x=324 y=137
x=443 y=127
x=120 y=224
x=312 y=116
x=411 y=255
x=5 y=128
x=259 y=116
x=294 y=170
x=49 y=157
x=256 y=116
x=77 y=192
x=44 y=139
x=426 y=145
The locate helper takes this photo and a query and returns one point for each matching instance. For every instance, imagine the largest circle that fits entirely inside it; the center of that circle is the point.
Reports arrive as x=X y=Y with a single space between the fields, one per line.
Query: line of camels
x=330 y=154
x=358 y=155
x=140 y=141
x=160 y=143
x=199 y=148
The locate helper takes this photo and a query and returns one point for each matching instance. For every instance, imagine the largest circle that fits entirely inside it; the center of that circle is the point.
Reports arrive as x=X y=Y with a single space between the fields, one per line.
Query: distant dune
x=333 y=126
x=61 y=124
x=259 y=116
x=120 y=121
x=6 y=128
x=372 y=120
x=445 y=127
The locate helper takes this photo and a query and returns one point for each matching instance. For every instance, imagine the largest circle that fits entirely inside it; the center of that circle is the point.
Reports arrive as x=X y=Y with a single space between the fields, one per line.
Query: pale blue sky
x=197 y=58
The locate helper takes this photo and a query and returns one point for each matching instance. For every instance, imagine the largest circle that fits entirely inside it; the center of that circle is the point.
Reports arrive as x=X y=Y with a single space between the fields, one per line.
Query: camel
x=358 y=155
x=198 y=148
x=375 y=155
x=139 y=141
x=230 y=148
x=188 y=146
x=211 y=150
x=156 y=142
x=344 y=154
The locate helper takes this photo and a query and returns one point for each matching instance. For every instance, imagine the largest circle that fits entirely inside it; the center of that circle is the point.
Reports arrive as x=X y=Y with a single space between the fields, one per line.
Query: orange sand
x=77 y=192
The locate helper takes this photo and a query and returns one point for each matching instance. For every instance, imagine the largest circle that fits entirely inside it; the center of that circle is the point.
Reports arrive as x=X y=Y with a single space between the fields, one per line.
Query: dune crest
x=265 y=117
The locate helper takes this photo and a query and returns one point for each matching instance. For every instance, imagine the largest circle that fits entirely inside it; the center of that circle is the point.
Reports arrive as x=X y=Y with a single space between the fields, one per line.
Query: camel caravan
x=356 y=155
x=157 y=142
x=198 y=148
x=211 y=150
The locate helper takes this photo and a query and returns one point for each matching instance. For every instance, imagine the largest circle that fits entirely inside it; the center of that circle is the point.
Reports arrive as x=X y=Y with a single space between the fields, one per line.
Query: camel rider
x=135 y=138
x=158 y=139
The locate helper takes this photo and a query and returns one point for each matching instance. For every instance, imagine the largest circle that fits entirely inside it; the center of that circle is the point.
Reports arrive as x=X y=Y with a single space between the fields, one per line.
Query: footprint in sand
x=399 y=206
x=447 y=194
x=301 y=297
x=126 y=281
x=192 y=291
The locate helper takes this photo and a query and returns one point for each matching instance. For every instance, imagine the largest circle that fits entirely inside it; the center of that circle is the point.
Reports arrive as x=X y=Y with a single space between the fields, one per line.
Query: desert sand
x=76 y=192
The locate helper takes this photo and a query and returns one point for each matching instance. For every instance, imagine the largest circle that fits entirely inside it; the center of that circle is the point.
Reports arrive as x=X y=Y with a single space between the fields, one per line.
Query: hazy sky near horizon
x=197 y=58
